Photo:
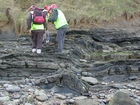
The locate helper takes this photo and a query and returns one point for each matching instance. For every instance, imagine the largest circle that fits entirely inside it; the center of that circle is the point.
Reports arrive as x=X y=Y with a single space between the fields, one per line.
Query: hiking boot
x=65 y=51
x=59 y=53
x=33 y=50
x=38 y=51
x=47 y=41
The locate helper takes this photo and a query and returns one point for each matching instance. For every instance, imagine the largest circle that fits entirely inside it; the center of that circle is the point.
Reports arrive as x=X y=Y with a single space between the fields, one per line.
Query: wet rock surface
x=96 y=68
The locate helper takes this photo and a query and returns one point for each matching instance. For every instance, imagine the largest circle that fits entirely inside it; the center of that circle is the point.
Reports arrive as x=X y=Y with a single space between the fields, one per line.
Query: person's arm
x=44 y=23
x=29 y=20
x=53 y=17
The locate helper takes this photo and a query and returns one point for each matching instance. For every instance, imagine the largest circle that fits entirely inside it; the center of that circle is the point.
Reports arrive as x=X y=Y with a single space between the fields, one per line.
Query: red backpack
x=38 y=16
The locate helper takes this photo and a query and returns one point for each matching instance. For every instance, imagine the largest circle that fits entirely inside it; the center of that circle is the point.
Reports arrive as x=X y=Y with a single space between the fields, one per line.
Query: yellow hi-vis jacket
x=61 y=20
x=36 y=26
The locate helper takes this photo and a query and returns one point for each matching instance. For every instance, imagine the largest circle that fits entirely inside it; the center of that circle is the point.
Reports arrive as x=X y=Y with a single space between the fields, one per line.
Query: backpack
x=38 y=16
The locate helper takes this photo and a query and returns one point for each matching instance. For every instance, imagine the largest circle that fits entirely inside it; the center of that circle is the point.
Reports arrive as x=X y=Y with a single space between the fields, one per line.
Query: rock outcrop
x=93 y=63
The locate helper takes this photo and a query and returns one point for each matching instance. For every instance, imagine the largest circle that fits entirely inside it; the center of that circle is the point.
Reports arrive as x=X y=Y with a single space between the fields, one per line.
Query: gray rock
x=48 y=65
x=4 y=98
x=121 y=98
x=131 y=86
x=28 y=104
x=70 y=101
x=60 y=96
x=86 y=102
x=16 y=96
x=118 y=86
x=90 y=80
x=12 y=88
x=40 y=95
x=80 y=98
x=133 y=78
x=73 y=82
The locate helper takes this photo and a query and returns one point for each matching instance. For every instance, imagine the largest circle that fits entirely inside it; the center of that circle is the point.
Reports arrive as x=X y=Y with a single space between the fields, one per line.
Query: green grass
x=114 y=55
x=106 y=53
x=76 y=11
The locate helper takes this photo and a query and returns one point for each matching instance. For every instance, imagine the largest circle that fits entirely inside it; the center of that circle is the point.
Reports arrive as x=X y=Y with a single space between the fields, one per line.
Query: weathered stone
x=118 y=86
x=90 y=80
x=74 y=83
x=60 y=96
x=4 y=99
x=40 y=95
x=12 y=88
x=112 y=56
x=121 y=98
x=47 y=65
x=86 y=102
x=133 y=77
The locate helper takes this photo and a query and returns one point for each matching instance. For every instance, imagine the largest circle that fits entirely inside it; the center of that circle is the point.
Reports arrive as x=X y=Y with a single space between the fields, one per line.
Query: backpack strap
x=32 y=12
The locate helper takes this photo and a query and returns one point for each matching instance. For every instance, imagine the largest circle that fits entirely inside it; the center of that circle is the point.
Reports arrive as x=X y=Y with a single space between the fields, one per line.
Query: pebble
x=27 y=94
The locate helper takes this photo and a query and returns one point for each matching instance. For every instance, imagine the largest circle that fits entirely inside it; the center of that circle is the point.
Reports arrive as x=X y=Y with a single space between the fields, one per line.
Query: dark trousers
x=37 y=37
x=60 y=38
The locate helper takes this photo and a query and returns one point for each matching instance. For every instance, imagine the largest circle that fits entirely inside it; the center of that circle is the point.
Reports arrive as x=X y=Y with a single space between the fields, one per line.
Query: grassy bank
x=77 y=12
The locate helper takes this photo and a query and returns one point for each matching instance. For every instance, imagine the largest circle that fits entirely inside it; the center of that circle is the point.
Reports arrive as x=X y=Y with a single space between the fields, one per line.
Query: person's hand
x=30 y=31
x=44 y=31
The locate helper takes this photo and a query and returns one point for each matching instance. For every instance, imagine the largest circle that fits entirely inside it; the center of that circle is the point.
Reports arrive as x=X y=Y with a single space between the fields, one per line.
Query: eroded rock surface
x=95 y=64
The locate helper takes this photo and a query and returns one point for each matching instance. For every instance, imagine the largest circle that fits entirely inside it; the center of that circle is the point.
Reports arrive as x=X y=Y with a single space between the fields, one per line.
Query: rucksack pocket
x=38 y=17
x=38 y=20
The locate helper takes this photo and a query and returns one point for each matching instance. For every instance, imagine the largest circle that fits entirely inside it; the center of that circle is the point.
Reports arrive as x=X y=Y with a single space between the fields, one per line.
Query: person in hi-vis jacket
x=58 y=18
x=36 y=31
